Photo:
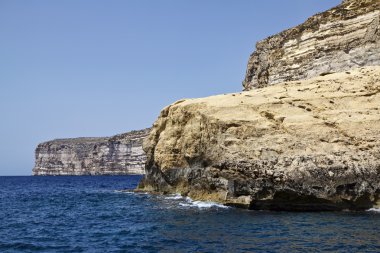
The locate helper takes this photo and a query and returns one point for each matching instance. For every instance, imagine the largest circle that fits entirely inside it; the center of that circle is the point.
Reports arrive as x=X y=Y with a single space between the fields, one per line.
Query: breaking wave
x=188 y=202
x=174 y=196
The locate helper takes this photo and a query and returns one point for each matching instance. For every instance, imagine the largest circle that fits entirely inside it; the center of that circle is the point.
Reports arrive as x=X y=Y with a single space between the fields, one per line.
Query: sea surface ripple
x=94 y=214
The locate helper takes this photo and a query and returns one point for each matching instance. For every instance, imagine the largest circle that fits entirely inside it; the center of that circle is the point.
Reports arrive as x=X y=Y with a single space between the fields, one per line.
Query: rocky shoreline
x=293 y=146
x=304 y=136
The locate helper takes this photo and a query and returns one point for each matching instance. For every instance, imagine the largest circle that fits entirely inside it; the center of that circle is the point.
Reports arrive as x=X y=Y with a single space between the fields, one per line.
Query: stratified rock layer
x=342 y=38
x=118 y=155
x=304 y=145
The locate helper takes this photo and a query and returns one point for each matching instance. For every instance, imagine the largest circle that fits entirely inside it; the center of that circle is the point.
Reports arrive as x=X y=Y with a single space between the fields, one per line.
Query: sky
x=86 y=68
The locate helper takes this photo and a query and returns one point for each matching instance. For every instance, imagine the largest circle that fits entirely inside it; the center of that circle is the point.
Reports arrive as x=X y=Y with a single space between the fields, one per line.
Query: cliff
x=345 y=37
x=301 y=145
x=118 y=155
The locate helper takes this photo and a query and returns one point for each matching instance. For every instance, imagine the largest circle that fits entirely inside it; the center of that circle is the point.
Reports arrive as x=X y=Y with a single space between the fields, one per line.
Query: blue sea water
x=91 y=214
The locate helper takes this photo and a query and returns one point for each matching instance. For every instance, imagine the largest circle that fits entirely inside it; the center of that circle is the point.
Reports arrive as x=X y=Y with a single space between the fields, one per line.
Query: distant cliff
x=345 y=37
x=118 y=155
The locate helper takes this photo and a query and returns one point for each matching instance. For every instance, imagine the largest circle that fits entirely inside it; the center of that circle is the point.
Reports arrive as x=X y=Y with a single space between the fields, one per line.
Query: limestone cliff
x=118 y=155
x=342 y=38
x=301 y=145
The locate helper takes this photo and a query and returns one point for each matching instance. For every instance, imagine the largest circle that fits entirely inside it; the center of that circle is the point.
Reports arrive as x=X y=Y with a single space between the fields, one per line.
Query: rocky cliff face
x=342 y=38
x=118 y=155
x=301 y=145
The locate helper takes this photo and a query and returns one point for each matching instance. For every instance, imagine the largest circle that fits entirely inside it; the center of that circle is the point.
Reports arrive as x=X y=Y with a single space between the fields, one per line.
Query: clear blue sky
x=75 y=68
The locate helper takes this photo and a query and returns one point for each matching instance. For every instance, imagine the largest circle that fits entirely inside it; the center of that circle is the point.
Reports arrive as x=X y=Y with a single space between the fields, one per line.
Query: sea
x=99 y=214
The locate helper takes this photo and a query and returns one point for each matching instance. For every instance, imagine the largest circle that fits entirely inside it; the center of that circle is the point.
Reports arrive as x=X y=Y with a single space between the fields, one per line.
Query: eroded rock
x=345 y=37
x=302 y=145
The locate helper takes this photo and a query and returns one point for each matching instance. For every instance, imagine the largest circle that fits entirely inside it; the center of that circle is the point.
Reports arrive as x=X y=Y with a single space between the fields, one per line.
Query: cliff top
x=92 y=140
x=236 y=106
x=78 y=140
x=342 y=38
x=131 y=134
x=347 y=10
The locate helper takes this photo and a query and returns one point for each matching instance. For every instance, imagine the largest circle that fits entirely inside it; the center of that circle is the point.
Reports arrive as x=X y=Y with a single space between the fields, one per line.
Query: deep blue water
x=90 y=214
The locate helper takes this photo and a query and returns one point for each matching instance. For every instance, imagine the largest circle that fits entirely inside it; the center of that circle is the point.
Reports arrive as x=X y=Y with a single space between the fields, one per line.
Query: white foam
x=124 y=191
x=201 y=204
x=184 y=204
x=377 y=210
x=174 y=196
x=130 y=192
x=208 y=204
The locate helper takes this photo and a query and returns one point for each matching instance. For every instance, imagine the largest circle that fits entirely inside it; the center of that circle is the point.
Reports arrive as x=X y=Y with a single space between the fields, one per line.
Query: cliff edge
x=118 y=155
x=345 y=37
x=301 y=145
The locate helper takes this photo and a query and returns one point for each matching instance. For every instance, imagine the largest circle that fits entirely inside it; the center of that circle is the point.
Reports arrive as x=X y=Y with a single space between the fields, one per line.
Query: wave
x=179 y=200
x=190 y=203
x=201 y=204
x=377 y=210
x=124 y=191
x=174 y=196
x=131 y=192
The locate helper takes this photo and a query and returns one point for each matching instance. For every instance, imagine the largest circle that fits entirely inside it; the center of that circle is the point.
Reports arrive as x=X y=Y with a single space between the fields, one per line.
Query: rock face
x=340 y=39
x=118 y=155
x=301 y=145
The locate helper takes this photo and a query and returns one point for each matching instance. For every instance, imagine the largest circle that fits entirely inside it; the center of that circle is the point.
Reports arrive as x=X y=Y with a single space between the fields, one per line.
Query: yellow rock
x=318 y=138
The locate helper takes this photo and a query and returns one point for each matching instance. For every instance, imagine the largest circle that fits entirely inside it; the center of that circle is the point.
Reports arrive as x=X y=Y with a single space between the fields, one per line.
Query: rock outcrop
x=301 y=145
x=118 y=155
x=345 y=37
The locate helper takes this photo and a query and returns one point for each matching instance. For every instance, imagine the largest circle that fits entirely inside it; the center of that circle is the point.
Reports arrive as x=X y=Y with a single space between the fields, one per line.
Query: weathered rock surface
x=340 y=39
x=302 y=145
x=118 y=155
